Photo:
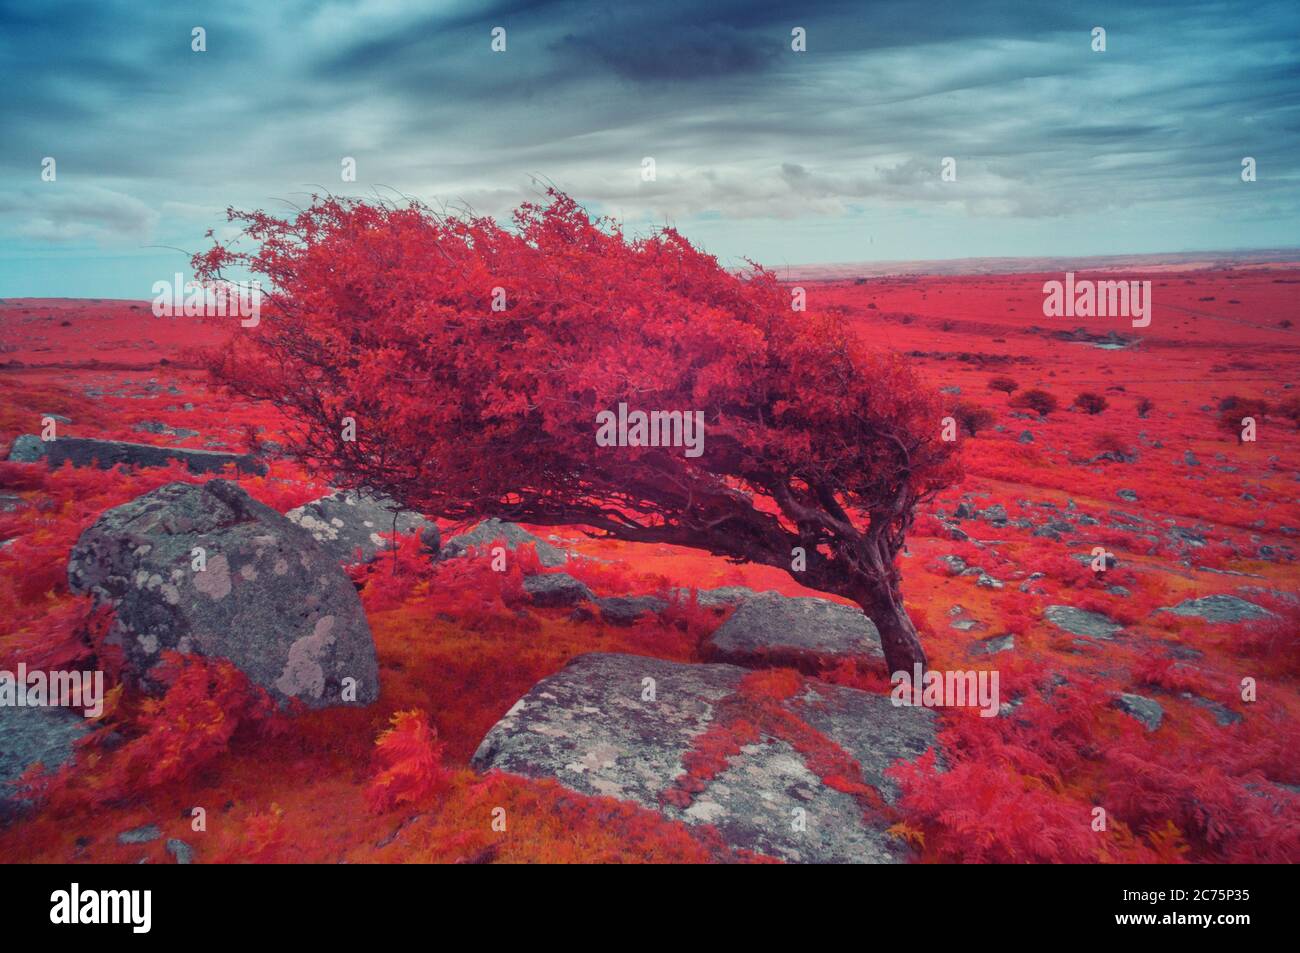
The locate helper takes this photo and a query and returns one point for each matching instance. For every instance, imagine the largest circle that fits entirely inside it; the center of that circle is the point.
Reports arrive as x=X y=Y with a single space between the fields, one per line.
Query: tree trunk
x=883 y=604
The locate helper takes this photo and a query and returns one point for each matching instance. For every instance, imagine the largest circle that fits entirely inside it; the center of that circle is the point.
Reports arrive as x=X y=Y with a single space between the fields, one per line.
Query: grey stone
x=1220 y=608
x=271 y=599
x=994 y=645
x=1082 y=622
x=511 y=535
x=348 y=523
x=624 y=610
x=956 y=565
x=1026 y=436
x=158 y=427
x=27 y=448
x=720 y=599
x=997 y=513
x=31 y=735
x=1187 y=536
x=84 y=452
x=1109 y=560
x=551 y=589
x=140 y=835
x=1223 y=715
x=182 y=851
x=772 y=629
x=591 y=728
x=988 y=582
x=1146 y=710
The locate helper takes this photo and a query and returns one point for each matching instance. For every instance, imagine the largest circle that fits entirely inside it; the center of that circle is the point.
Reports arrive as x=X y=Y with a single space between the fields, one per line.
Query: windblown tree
x=475 y=358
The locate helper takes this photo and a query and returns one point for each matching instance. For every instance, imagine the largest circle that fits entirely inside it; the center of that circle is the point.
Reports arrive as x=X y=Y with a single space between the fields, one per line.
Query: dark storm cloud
x=741 y=127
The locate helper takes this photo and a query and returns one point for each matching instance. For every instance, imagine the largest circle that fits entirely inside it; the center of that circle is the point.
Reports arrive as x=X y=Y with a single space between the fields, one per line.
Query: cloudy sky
x=829 y=155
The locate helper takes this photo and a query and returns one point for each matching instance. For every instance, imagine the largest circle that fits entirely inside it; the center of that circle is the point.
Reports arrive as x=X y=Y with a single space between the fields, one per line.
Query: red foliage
x=206 y=702
x=411 y=756
x=1039 y=401
x=1090 y=402
x=385 y=315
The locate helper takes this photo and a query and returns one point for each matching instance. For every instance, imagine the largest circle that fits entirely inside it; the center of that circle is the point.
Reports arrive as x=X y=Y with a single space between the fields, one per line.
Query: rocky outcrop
x=85 y=452
x=622 y=726
x=772 y=629
x=206 y=569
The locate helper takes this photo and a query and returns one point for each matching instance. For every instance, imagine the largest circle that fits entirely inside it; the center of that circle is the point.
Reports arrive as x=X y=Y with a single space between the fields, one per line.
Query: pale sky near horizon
x=830 y=155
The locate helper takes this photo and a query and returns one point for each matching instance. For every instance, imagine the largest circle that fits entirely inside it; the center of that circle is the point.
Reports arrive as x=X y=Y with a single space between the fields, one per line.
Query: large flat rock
x=85 y=452
x=594 y=728
x=772 y=629
x=1220 y=608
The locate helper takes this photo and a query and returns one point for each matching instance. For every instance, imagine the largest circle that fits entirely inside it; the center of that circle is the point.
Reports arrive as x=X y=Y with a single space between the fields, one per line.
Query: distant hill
x=1182 y=261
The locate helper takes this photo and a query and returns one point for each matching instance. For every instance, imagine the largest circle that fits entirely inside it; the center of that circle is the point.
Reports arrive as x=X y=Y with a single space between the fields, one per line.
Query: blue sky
x=788 y=158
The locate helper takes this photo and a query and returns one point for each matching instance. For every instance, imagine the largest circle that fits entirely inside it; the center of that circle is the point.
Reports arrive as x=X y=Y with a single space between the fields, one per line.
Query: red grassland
x=458 y=644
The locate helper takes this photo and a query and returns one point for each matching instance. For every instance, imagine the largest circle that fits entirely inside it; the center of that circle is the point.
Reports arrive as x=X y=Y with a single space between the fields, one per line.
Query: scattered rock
x=997 y=513
x=1220 y=608
x=591 y=728
x=1146 y=710
x=1025 y=437
x=511 y=535
x=1082 y=622
x=1109 y=560
x=1191 y=537
x=988 y=582
x=994 y=645
x=772 y=629
x=270 y=599
x=84 y=452
x=552 y=589
x=349 y=522
x=140 y=835
x=1223 y=715
x=956 y=565
x=182 y=851
x=31 y=735
x=431 y=539
x=158 y=427
x=27 y=448
x=718 y=600
x=625 y=610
